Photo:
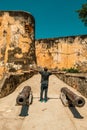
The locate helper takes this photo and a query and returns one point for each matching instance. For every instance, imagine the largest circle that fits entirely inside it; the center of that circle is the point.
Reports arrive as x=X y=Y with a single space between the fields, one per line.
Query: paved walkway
x=51 y=115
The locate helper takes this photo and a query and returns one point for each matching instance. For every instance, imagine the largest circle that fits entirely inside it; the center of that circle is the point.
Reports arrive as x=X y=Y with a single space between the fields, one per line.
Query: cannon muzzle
x=72 y=98
x=25 y=96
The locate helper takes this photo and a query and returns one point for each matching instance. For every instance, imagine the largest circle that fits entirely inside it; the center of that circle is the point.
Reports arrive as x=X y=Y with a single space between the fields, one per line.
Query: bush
x=71 y=70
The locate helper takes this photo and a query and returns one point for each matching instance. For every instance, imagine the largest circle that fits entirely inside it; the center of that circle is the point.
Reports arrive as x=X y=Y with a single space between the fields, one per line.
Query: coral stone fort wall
x=17 y=43
x=19 y=49
x=64 y=52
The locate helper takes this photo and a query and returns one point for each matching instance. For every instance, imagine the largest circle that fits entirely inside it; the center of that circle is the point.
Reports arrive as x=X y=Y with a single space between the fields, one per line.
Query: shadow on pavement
x=53 y=98
x=75 y=113
x=48 y=98
x=24 y=110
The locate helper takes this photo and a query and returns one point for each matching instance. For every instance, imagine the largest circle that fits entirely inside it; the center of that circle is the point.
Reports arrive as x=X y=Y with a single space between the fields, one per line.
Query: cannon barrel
x=23 y=96
x=73 y=98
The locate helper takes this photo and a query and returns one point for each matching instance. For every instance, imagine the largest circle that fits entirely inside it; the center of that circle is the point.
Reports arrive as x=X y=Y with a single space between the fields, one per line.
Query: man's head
x=45 y=69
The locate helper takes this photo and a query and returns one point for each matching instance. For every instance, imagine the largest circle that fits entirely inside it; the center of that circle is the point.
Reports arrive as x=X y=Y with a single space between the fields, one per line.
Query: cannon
x=25 y=97
x=69 y=98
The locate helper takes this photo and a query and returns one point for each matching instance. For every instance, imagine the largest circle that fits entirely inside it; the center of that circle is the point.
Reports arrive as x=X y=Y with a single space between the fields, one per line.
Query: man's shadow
x=75 y=112
x=24 y=110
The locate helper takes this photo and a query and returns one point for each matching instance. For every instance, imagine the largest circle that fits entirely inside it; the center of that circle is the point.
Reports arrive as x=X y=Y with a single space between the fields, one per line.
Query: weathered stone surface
x=63 y=52
x=77 y=81
x=11 y=81
x=17 y=49
x=17 y=46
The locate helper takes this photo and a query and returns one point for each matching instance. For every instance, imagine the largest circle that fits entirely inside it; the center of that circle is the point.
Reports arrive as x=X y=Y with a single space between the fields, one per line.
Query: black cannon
x=69 y=98
x=25 y=97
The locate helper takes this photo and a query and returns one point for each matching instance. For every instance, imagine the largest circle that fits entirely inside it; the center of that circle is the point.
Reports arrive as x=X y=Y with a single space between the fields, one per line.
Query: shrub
x=71 y=70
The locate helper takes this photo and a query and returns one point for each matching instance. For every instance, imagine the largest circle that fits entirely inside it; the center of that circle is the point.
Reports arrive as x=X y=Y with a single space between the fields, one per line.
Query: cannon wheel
x=30 y=98
x=64 y=99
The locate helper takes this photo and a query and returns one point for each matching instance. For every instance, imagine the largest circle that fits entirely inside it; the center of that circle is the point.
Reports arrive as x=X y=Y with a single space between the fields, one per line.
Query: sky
x=53 y=18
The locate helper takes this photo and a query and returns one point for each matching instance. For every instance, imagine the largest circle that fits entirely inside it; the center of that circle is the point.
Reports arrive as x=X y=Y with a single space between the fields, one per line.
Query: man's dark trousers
x=44 y=89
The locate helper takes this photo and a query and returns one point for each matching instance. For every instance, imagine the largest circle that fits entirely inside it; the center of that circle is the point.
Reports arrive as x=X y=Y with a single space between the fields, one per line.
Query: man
x=44 y=83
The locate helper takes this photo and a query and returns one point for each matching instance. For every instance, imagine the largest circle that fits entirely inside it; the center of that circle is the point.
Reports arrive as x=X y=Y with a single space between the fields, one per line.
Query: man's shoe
x=45 y=100
x=41 y=100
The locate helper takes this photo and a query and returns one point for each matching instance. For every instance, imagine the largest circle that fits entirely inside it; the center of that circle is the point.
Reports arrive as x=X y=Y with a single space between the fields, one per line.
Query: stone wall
x=63 y=52
x=10 y=82
x=76 y=80
x=17 y=41
x=17 y=49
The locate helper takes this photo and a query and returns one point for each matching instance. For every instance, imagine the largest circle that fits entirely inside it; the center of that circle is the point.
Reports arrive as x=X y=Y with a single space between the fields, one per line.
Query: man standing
x=44 y=83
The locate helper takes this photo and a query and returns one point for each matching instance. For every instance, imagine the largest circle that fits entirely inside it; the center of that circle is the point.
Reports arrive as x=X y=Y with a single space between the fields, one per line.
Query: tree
x=83 y=14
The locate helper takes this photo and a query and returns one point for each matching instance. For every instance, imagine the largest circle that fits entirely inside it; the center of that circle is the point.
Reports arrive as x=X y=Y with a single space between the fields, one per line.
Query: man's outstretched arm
x=34 y=70
x=54 y=72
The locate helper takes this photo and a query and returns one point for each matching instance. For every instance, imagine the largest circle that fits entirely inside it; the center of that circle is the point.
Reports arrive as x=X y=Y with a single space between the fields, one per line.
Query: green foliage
x=83 y=14
x=71 y=70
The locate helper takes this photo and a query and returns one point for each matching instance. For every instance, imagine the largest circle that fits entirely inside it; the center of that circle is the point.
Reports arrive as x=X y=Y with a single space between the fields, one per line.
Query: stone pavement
x=51 y=115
